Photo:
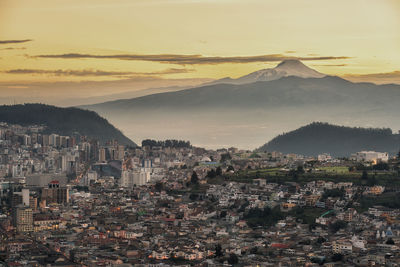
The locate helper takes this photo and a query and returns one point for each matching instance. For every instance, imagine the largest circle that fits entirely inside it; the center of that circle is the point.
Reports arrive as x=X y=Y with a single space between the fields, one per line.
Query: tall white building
x=53 y=139
x=135 y=177
x=25 y=197
x=90 y=176
x=69 y=161
x=371 y=156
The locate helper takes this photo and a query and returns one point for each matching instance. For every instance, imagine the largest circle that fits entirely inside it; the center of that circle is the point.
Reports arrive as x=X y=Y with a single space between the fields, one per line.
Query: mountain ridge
x=318 y=137
x=64 y=121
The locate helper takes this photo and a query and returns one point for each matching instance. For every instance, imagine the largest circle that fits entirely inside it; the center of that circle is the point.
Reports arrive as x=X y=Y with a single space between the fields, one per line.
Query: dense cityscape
x=72 y=201
x=207 y=133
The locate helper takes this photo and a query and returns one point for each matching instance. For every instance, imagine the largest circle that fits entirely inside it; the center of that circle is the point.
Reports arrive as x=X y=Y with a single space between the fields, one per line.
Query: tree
x=194 y=179
x=159 y=186
x=371 y=181
x=254 y=250
x=193 y=197
x=336 y=226
x=337 y=257
x=233 y=259
x=218 y=251
x=211 y=173
x=381 y=166
x=218 y=171
x=390 y=241
x=364 y=175
x=225 y=157
x=300 y=169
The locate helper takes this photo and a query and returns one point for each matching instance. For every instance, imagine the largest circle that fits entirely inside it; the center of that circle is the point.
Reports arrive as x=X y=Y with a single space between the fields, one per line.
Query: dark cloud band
x=94 y=72
x=189 y=59
x=384 y=75
x=15 y=41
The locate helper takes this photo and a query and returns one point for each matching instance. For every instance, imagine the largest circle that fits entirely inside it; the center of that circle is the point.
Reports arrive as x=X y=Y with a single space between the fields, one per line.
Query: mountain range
x=247 y=111
x=63 y=121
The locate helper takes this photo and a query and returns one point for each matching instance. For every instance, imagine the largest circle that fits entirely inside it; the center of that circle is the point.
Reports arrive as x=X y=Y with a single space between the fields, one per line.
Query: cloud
x=15 y=41
x=189 y=59
x=393 y=74
x=13 y=48
x=384 y=77
x=330 y=65
x=89 y=72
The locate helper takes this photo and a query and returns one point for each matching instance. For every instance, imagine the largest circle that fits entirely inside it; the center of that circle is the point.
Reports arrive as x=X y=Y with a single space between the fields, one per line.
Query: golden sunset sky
x=85 y=48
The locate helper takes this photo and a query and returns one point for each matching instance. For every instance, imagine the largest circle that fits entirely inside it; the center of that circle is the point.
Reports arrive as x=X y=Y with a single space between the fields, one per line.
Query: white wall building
x=324 y=157
x=90 y=176
x=135 y=177
x=25 y=197
x=371 y=156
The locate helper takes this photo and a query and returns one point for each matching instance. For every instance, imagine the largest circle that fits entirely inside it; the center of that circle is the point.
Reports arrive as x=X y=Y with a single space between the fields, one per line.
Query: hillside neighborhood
x=72 y=201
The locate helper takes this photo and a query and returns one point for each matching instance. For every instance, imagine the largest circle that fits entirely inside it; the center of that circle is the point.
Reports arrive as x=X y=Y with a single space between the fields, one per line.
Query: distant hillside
x=317 y=138
x=63 y=121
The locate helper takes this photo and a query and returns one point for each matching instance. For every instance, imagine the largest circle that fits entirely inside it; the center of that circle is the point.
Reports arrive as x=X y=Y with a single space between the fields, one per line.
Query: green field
x=339 y=169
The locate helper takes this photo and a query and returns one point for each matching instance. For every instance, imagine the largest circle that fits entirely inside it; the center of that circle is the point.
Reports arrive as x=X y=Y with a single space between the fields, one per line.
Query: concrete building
x=135 y=177
x=371 y=156
x=23 y=219
x=102 y=155
x=25 y=196
x=55 y=193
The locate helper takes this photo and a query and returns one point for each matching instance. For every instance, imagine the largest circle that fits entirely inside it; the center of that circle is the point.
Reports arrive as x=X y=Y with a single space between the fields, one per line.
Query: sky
x=59 y=51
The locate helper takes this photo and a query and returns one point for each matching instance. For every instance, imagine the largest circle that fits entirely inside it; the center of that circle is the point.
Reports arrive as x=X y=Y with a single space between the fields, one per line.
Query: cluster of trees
x=295 y=173
x=263 y=217
x=368 y=179
x=219 y=253
x=390 y=200
x=336 y=226
x=336 y=192
x=214 y=173
x=226 y=156
x=380 y=166
x=194 y=180
x=167 y=143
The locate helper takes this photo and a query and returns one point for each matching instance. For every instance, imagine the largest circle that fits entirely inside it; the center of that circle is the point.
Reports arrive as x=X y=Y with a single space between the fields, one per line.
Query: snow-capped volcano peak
x=294 y=67
x=289 y=67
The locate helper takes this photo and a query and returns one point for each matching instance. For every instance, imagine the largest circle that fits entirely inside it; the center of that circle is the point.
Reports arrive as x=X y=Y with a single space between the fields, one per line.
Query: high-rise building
x=23 y=219
x=33 y=203
x=135 y=177
x=25 y=196
x=102 y=154
x=147 y=163
x=45 y=140
x=121 y=152
x=55 y=193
